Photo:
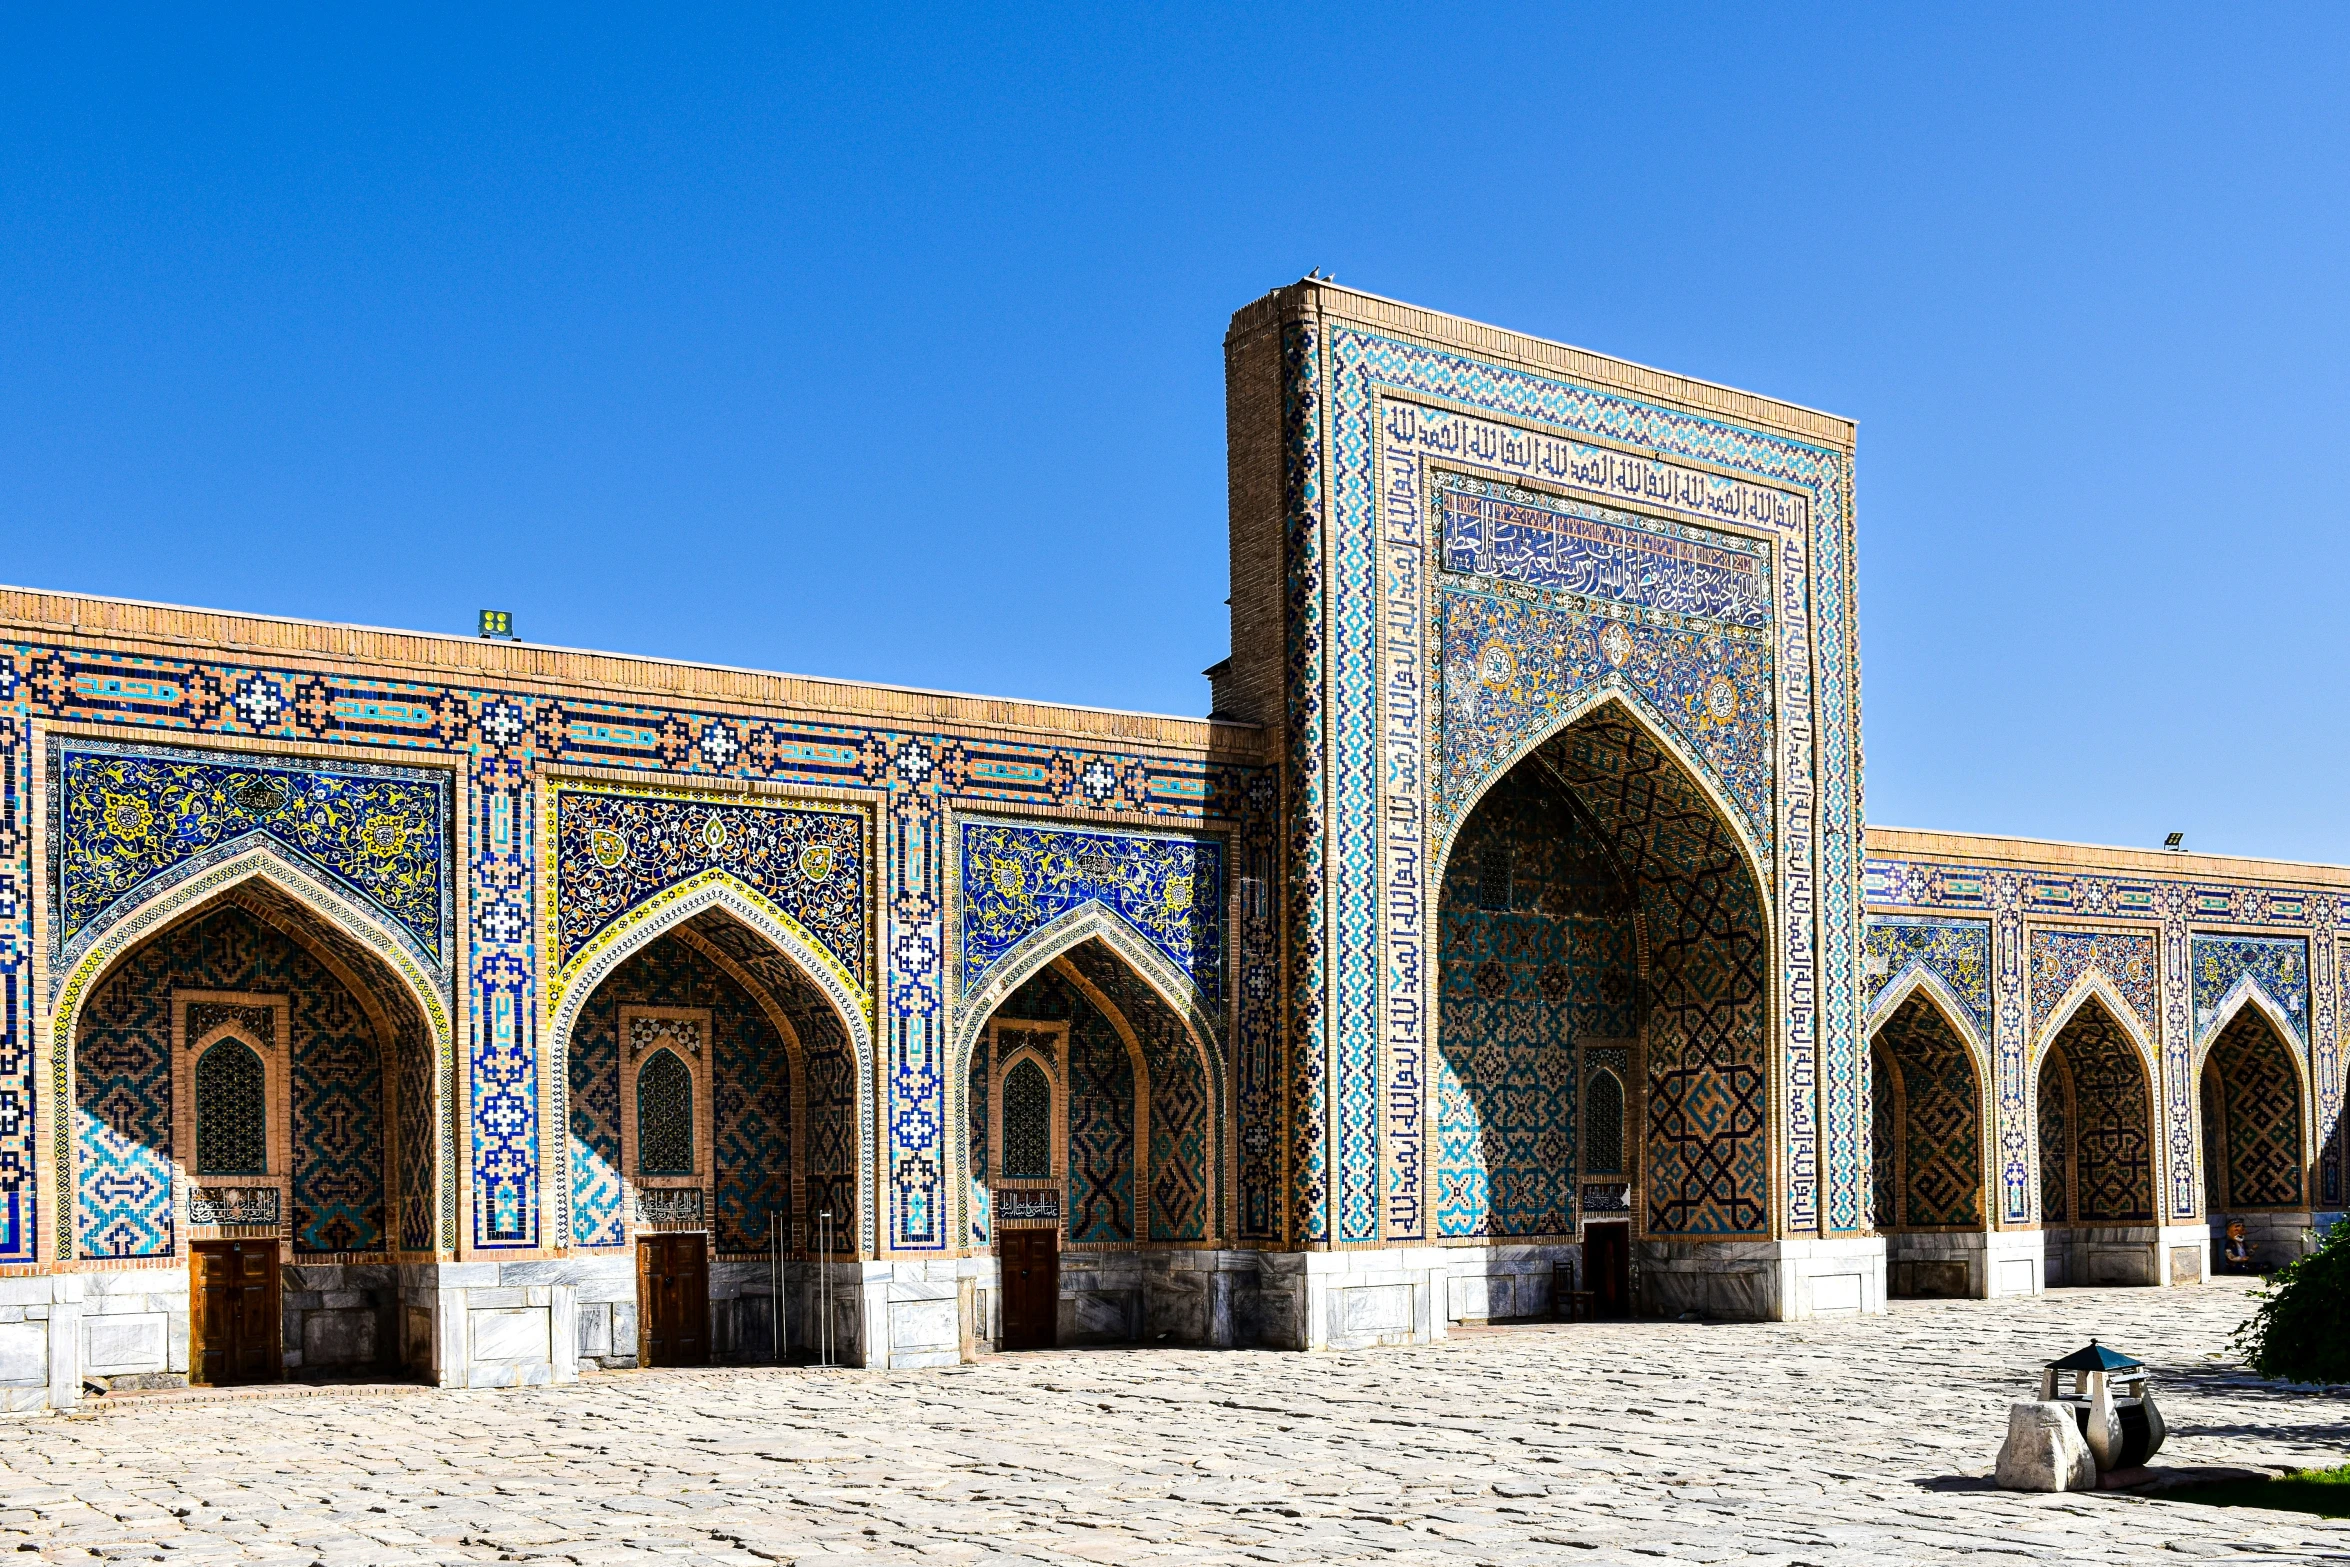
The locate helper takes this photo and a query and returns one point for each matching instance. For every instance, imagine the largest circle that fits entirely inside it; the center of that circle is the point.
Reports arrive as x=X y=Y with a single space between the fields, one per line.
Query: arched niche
x=1638 y=857
x=808 y=1151
x=1170 y=1030
x=354 y=1111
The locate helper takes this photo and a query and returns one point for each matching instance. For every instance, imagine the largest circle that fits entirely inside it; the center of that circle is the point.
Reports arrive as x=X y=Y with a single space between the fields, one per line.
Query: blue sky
x=891 y=349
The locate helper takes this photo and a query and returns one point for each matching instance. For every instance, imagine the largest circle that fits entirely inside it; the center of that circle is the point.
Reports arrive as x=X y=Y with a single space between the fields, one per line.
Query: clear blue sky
x=891 y=349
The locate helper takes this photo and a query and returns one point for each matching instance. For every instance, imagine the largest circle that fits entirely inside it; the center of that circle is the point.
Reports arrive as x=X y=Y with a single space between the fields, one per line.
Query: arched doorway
x=2096 y=1123
x=2253 y=1164
x=711 y=1103
x=1603 y=1022
x=254 y=1098
x=1092 y=1149
x=1927 y=1153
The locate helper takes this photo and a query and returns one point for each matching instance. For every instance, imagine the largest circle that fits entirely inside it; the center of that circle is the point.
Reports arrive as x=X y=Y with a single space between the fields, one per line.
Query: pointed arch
x=1047 y=947
x=1092 y=920
x=2247 y=991
x=1614 y=689
x=2094 y=986
x=1917 y=979
x=2106 y=1131
x=1703 y=932
x=259 y=864
x=1138 y=1063
x=1939 y=1158
x=1043 y=946
x=714 y=891
x=2227 y=1069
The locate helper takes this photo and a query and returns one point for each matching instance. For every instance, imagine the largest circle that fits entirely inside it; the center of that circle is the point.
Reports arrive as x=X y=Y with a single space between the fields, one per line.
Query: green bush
x=2302 y=1330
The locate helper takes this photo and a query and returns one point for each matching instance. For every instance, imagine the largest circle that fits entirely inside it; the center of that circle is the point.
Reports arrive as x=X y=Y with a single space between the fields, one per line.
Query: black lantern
x=2111 y=1399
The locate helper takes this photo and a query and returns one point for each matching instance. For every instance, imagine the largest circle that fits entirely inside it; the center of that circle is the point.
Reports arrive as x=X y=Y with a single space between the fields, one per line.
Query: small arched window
x=1028 y=1123
x=1603 y=1134
x=231 y=1127
x=1495 y=889
x=664 y=1116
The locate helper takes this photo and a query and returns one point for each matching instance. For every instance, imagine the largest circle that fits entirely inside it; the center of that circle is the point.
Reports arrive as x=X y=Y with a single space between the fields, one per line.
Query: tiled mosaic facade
x=124 y=1132
x=2170 y=947
x=1132 y=1114
x=2093 y=1088
x=1524 y=878
x=1539 y=954
x=1475 y=550
x=1929 y=1149
x=752 y=1170
x=2252 y=1118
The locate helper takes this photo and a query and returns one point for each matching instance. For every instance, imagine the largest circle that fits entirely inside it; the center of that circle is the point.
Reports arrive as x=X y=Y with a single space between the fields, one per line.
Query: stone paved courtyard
x=1825 y=1442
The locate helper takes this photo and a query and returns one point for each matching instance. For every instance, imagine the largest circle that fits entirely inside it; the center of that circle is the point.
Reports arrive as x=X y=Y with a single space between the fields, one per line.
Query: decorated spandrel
x=1017 y=879
x=127 y=816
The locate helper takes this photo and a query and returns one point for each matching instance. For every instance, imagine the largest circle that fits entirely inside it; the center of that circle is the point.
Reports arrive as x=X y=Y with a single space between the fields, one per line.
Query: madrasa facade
x=1508 y=942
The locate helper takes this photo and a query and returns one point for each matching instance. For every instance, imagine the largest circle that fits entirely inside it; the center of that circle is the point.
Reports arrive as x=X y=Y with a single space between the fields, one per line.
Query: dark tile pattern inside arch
x=123 y=1115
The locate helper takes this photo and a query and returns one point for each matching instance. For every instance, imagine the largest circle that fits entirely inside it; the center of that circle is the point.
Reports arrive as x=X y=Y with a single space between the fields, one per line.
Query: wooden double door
x=1607 y=1268
x=234 y=1328
x=1031 y=1274
x=673 y=1300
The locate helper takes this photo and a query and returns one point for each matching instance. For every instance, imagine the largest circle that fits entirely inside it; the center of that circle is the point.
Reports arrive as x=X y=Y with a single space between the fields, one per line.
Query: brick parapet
x=161 y=629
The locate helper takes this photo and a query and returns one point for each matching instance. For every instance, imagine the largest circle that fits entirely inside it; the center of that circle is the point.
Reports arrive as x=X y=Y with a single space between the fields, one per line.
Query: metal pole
x=824 y=1287
x=774 y=1287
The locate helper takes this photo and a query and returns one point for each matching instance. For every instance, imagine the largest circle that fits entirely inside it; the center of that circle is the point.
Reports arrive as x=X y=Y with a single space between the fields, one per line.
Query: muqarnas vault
x=1508 y=942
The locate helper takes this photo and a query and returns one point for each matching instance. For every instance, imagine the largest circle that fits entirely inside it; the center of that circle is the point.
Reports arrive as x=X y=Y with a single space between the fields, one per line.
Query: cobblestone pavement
x=1838 y=1442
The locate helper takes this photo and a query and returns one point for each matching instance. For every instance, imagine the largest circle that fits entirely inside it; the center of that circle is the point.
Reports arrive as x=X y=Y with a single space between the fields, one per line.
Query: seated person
x=2236 y=1256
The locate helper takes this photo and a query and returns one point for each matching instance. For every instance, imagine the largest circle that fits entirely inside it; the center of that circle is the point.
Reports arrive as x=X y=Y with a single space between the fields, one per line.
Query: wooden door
x=673 y=1300
x=1031 y=1261
x=1607 y=1268
x=233 y=1327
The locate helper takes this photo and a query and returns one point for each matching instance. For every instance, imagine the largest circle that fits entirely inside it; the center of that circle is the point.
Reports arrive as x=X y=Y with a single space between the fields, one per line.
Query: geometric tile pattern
x=502 y=1110
x=752 y=1172
x=1603 y=1129
x=1929 y=1101
x=508 y=737
x=2252 y=1098
x=1884 y=1144
x=427 y=1101
x=2056 y=1140
x=1306 y=689
x=1526 y=973
x=122 y=1118
x=232 y=1135
x=1099 y=1108
x=338 y=1093
x=751 y=1168
x=1185 y=1148
x=664 y=1115
x=1957 y=952
x=123 y=1086
x=2108 y=1115
x=1707 y=1137
x=1397 y=412
x=834 y=1153
x=1028 y=1123
x=19 y=1182
x=1101 y=1129
x=2193 y=992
